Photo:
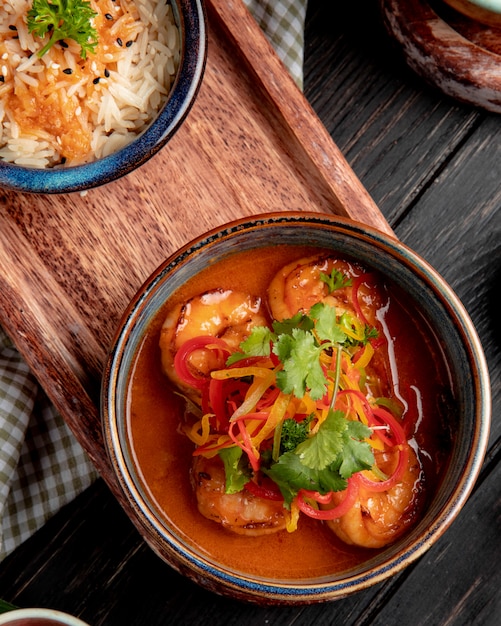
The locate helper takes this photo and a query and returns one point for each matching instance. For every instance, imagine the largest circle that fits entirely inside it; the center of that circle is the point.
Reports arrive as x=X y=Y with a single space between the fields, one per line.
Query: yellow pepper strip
x=375 y=474
x=367 y=355
x=254 y=394
x=214 y=445
x=241 y=372
x=305 y=405
x=292 y=517
x=354 y=328
x=277 y=415
x=376 y=442
x=200 y=438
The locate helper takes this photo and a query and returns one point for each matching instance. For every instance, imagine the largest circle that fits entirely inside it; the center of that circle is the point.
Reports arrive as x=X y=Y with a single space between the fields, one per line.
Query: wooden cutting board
x=69 y=264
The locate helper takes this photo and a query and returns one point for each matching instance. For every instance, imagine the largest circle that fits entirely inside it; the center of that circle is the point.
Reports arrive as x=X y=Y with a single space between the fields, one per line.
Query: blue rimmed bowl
x=191 y=21
x=432 y=297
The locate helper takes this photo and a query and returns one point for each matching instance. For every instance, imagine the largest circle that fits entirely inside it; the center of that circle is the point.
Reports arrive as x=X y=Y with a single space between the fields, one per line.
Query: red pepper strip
x=221 y=394
x=355 y=301
x=403 y=451
x=318 y=497
x=367 y=407
x=384 y=485
x=267 y=490
x=268 y=398
x=181 y=358
x=212 y=447
x=387 y=418
x=378 y=342
x=246 y=443
x=339 y=510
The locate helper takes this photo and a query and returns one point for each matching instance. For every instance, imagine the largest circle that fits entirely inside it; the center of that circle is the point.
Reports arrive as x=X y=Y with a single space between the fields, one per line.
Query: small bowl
x=39 y=617
x=190 y=19
x=486 y=12
x=430 y=294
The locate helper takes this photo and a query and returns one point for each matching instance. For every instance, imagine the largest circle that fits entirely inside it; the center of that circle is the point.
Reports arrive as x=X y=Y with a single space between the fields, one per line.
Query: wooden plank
x=462 y=210
x=464 y=587
x=395 y=131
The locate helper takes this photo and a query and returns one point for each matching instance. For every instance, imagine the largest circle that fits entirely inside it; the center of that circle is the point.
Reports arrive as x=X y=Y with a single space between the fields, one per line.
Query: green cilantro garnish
x=298 y=343
x=322 y=461
x=235 y=468
x=258 y=343
x=370 y=333
x=336 y=280
x=63 y=19
x=300 y=357
x=335 y=437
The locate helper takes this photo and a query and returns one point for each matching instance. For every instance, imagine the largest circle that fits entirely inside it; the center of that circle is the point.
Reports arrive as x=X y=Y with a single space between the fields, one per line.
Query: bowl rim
x=237 y=584
x=191 y=18
x=49 y=616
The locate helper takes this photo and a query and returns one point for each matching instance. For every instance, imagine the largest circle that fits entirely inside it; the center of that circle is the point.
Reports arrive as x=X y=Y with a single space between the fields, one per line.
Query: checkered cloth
x=42 y=467
x=282 y=22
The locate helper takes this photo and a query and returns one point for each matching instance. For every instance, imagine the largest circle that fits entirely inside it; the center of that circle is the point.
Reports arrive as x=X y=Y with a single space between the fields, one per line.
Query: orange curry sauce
x=164 y=456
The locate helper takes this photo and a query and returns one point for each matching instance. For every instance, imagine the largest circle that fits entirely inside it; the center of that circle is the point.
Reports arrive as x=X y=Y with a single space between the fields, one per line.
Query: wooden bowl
x=431 y=296
x=483 y=11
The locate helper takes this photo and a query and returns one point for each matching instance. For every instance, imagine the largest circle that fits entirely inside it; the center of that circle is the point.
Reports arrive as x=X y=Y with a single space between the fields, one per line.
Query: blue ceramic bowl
x=190 y=19
x=431 y=295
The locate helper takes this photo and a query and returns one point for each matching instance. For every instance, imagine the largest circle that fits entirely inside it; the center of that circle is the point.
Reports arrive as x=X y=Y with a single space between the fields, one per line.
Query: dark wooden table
x=433 y=166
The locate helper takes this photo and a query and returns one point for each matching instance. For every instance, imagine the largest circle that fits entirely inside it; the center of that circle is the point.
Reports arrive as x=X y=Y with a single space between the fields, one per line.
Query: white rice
x=123 y=101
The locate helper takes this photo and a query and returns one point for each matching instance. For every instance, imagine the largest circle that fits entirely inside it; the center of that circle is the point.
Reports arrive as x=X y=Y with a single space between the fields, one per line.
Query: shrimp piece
x=225 y=314
x=379 y=518
x=242 y=512
x=297 y=287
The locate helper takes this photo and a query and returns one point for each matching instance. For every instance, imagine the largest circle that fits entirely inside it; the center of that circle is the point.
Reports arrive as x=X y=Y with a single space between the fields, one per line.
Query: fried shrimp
x=298 y=286
x=242 y=513
x=219 y=314
x=378 y=518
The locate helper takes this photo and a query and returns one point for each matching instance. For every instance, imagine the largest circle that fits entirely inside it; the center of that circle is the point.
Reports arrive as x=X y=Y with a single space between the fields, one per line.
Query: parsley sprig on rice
x=63 y=109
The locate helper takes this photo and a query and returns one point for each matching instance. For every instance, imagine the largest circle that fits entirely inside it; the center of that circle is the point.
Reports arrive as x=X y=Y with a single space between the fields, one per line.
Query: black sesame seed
x=129 y=43
x=12 y=27
x=2 y=79
x=107 y=73
x=63 y=43
x=108 y=16
x=96 y=80
x=63 y=160
x=68 y=70
x=119 y=42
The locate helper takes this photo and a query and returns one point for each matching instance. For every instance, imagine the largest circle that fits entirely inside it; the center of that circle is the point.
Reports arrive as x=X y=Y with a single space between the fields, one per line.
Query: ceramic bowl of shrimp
x=296 y=407
x=88 y=102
